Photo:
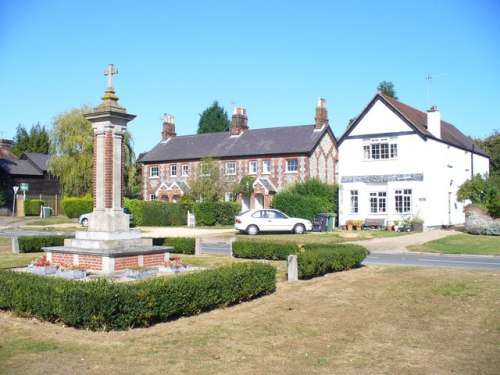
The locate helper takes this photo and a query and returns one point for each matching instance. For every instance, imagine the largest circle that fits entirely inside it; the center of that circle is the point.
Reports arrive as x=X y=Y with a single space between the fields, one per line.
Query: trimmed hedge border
x=318 y=260
x=181 y=245
x=157 y=214
x=32 y=207
x=263 y=250
x=34 y=244
x=73 y=207
x=102 y=305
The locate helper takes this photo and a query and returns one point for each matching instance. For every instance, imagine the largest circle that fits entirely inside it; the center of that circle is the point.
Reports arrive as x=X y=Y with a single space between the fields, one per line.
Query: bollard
x=293 y=272
x=15 y=245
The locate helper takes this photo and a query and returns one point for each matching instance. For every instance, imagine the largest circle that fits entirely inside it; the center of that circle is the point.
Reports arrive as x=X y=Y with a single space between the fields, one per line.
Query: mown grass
x=9 y=259
x=462 y=244
x=371 y=320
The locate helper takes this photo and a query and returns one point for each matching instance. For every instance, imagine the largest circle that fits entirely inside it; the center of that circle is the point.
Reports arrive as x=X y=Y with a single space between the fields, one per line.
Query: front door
x=259 y=201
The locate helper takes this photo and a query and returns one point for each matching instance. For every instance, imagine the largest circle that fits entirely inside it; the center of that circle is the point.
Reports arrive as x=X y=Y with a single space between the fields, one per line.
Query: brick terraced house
x=275 y=157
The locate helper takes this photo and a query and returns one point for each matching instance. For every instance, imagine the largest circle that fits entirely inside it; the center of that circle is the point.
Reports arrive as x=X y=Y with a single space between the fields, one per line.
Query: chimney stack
x=168 y=127
x=434 y=122
x=6 y=149
x=239 y=121
x=321 y=118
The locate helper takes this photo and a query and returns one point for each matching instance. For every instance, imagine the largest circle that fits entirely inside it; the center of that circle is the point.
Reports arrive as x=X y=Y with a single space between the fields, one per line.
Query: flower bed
x=42 y=266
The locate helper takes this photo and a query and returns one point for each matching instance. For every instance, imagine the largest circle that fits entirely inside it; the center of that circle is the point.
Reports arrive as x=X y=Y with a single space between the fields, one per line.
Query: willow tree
x=72 y=153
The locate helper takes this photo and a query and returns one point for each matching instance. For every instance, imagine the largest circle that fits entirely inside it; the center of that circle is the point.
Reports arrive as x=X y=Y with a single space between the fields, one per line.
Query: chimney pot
x=239 y=121
x=168 y=127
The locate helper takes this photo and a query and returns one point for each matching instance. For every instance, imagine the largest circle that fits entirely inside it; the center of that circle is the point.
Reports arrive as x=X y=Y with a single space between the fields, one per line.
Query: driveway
x=398 y=245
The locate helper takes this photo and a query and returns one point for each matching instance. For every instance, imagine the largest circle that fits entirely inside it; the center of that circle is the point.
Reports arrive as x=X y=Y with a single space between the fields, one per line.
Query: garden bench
x=374 y=224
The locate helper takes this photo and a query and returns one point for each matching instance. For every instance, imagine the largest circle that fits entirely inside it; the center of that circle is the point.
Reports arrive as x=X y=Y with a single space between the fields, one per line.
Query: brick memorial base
x=109 y=252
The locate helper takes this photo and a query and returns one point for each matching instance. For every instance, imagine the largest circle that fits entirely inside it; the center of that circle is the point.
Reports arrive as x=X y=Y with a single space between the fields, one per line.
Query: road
x=428 y=260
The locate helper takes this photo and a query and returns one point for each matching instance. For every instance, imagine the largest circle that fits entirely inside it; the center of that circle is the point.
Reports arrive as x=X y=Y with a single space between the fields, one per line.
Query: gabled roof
x=253 y=142
x=29 y=164
x=417 y=120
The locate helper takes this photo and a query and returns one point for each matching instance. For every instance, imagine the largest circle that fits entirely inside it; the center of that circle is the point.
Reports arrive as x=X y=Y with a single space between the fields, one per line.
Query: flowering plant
x=175 y=262
x=41 y=262
x=70 y=267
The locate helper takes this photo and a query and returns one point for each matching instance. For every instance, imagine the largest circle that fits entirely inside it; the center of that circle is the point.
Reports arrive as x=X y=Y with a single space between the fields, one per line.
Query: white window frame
x=354 y=201
x=152 y=197
x=173 y=170
x=266 y=167
x=228 y=196
x=252 y=167
x=403 y=200
x=185 y=170
x=380 y=149
x=154 y=171
x=230 y=168
x=295 y=165
x=378 y=202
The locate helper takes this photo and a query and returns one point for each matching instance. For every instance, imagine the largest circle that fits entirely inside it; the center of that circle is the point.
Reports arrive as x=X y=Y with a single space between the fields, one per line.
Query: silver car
x=267 y=220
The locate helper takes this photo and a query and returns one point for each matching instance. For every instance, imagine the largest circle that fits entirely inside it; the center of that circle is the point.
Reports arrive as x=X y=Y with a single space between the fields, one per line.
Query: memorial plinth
x=108 y=245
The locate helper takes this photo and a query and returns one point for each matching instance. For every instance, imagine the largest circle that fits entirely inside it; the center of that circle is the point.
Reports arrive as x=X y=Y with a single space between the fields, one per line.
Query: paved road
x=428 y=260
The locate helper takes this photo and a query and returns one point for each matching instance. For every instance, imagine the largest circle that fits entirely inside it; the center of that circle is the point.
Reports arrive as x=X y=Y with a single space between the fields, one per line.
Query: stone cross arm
x=110 y=70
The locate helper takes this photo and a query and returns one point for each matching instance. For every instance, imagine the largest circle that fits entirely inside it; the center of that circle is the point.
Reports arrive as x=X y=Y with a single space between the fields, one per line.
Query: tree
x=214 y=119
x=73 y=154
x=387 y=88
x=484 y=191
x=491 y=145
x=72 y=151
x=207 y=184
x=37 y=140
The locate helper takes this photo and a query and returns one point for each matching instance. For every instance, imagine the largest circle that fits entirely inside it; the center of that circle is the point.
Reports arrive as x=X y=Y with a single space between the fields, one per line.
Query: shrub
x=73 y=207
x=318 y=260
x=32 y=207
x=34 y=244
x=181 y=245
x=263 y=250
x=157 y=213
x=215 y=213
x=296 y=205
x=104 y=305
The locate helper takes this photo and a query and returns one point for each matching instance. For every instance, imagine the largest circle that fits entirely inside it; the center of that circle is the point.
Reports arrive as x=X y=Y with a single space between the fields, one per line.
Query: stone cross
x=110 y=70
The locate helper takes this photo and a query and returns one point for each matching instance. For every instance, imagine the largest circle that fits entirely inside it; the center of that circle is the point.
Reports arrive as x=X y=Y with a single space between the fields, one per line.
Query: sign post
x=16 y=188
x=24 y=187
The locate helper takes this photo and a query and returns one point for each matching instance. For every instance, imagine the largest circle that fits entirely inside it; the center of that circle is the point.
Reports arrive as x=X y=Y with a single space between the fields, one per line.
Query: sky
x=274 y=58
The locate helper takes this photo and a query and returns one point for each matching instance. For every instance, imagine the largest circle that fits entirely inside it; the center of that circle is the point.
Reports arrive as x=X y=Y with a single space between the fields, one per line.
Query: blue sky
x=274 y=58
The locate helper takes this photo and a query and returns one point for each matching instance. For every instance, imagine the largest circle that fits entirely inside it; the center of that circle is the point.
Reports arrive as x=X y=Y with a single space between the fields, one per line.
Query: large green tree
x=214 y=119
x=484 y=191
x=208 y=184
x=37 y=140
x=491 y=145
x=73 y=153
x=387 y=88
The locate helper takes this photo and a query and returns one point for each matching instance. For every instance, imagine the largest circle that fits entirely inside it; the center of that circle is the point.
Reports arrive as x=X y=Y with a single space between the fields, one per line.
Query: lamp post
x=15 y=188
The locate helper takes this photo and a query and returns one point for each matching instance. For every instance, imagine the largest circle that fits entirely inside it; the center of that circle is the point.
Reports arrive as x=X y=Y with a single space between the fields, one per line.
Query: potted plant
x=358 y=224
x=42 y=266
x=349 y=224
x=396 y=225
x=174 y=265
x=71 y=271
x=418 y=224
x=139 y=272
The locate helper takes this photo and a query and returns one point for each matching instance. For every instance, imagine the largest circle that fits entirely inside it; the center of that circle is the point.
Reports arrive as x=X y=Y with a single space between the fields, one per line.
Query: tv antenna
x=429 y=79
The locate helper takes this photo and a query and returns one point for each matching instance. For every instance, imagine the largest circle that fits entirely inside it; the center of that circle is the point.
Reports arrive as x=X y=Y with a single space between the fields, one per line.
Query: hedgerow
x=73 y=207
x=263 y=250
x=105 y=305
x=34 y=244
x=181 y=245
x=160 y=214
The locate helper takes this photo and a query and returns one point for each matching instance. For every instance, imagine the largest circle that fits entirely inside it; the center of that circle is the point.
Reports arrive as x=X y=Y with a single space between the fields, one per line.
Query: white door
x=259 y=201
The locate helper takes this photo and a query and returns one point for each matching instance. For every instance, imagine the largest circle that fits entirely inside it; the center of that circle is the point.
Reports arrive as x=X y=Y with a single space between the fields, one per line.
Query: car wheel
x=252 y=230
x=299 y=229
x=85 y=222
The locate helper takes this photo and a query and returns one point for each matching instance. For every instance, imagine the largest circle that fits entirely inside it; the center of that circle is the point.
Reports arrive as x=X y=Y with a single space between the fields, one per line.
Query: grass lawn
x=462 y=244
x=8 y=259
x=371 y=320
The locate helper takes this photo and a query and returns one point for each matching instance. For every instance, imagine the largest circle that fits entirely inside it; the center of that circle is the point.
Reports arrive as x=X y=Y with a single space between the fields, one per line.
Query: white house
x=396 y=161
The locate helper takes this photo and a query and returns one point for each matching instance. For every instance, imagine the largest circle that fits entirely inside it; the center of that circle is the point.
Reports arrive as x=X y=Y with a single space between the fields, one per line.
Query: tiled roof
x=418 y=119
x=40 y=160
x=253 y=142
x=19 y=167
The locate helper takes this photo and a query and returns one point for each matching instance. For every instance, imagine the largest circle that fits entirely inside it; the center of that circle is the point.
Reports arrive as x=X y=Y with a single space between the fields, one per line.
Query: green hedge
x=32 y=207
x=181 y=245
x=215 y=213
x=296 y=205
x=34 y=244
x=160 y=214
x=263 y=250
x=74 y=207
x=318 y=260
x=104 y=305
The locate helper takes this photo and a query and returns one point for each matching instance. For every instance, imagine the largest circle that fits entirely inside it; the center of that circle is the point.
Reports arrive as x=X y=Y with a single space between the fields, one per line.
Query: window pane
x=292 y=165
